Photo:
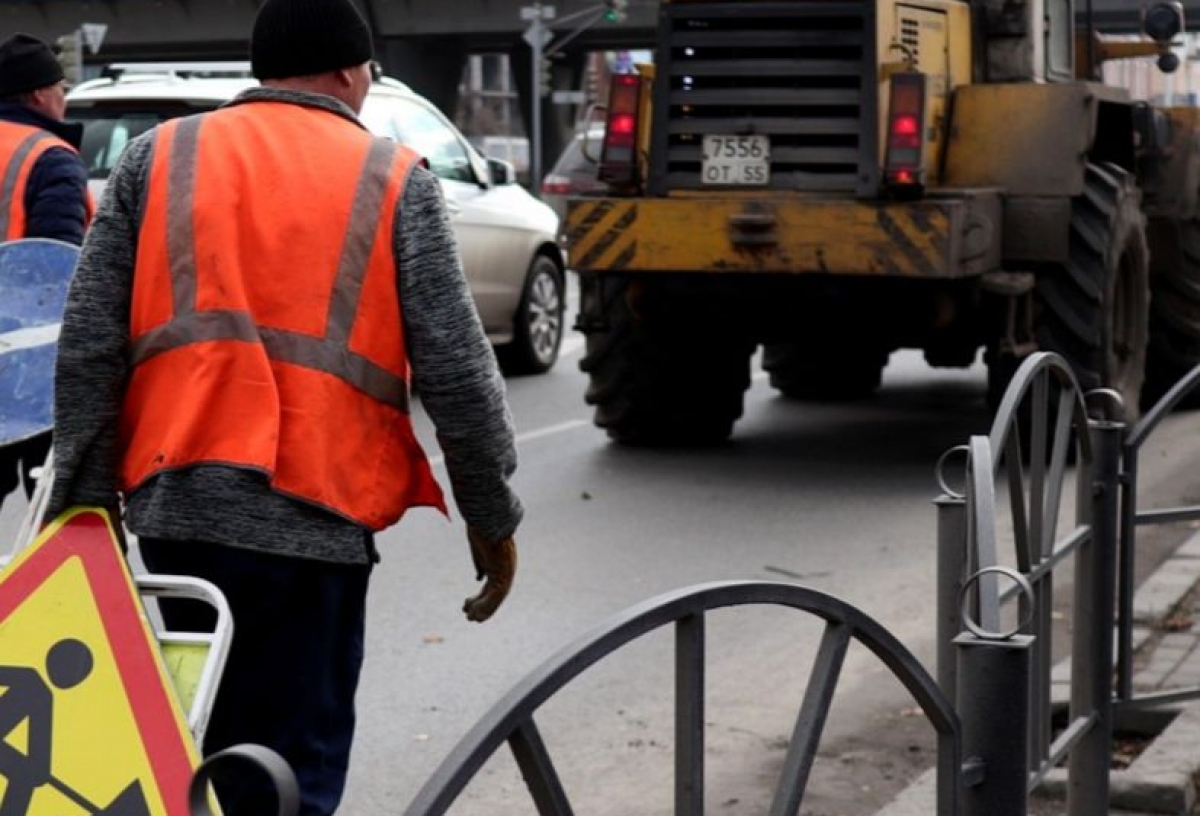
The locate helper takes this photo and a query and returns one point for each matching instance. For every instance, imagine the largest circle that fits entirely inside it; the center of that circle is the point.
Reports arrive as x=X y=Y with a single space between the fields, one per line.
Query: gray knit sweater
x=454 y=374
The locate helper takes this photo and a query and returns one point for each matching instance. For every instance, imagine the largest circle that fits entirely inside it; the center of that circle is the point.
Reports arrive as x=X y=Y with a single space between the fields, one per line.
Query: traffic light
x=70 y=56
x=614 y=10
x=545 y=76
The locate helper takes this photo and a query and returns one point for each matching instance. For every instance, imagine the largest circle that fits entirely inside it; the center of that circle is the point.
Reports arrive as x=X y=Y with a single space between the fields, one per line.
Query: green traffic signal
x=615 y=10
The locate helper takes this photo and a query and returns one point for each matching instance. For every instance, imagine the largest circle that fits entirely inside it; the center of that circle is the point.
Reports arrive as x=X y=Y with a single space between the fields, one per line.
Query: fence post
x=951 y=569
x=1125 y=573
x=1092 y=643
x=993 y=706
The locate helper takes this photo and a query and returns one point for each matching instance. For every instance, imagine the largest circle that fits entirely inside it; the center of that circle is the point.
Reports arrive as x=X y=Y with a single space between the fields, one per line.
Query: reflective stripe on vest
x=23 y=145
x=330 y=354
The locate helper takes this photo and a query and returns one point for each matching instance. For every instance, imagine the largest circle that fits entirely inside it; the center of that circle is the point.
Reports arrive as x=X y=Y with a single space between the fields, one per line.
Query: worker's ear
x=40 y=97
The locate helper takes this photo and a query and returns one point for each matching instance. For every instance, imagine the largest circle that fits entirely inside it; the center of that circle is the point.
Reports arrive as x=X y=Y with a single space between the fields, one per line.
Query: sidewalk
x=1161 y=779
x=1166 y=613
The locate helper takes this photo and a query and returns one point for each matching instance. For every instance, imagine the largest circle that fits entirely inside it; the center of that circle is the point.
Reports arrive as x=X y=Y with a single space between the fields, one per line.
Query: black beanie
x=294 y=38
x=27 y=64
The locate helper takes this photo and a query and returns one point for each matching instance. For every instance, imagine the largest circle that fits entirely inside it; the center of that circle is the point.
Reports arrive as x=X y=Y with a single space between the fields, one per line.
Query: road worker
x=43 y=187
x=261 y=287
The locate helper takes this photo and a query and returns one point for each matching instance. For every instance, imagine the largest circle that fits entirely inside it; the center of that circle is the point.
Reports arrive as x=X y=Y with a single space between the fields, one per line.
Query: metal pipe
x=1092 y=642
x=993 y=702
x=689 y=715
x=951 y=567
x=1125 y=576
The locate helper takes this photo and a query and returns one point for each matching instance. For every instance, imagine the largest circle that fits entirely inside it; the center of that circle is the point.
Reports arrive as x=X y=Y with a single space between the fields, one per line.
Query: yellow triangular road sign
x=88 y=723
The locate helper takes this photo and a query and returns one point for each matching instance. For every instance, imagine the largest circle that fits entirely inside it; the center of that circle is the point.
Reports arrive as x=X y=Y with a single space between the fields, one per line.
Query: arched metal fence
x=991 y=706
x=1131 y=518
x=1041 y=427
x=513 y=719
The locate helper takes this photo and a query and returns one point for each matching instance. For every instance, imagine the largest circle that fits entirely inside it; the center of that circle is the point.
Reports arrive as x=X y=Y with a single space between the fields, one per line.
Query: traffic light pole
x=535 y=118
x=538 y=35
x=535 y=103
x=597 y=13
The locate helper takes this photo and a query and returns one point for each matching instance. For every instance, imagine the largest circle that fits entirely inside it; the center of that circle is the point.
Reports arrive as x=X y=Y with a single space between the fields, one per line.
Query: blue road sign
x=34 y=276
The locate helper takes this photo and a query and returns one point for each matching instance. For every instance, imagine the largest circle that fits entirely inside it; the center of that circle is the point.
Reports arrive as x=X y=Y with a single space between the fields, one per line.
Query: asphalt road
x=838 y=498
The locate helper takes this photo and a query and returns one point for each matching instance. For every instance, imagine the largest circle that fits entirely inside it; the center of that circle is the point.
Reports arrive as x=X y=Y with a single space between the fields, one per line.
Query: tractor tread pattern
x=660 y=376
x=1174 y=348
x=1074 y=317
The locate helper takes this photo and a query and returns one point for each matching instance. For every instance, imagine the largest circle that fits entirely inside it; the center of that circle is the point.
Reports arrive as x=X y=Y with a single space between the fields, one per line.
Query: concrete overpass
x=423 y=42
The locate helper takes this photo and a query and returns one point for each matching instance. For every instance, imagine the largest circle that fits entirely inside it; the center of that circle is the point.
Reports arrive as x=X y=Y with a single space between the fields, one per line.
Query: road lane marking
x=529 y=436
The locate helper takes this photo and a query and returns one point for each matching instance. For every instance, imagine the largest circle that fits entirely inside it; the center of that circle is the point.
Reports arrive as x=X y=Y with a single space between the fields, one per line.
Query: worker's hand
x=495 y=564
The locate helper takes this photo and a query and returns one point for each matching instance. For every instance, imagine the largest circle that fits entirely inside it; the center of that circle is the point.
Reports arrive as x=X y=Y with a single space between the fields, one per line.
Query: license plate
x=736 y=160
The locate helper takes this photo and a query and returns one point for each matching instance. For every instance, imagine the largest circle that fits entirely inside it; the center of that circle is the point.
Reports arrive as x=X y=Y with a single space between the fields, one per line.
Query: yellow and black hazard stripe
x=831 y=236
x=600 y=234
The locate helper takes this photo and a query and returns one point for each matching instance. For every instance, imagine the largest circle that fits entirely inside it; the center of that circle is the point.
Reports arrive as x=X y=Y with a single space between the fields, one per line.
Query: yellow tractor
x=833 y=180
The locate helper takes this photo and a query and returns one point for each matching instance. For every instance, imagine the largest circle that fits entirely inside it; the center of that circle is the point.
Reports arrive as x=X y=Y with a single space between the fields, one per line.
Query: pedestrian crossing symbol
x=89 y=725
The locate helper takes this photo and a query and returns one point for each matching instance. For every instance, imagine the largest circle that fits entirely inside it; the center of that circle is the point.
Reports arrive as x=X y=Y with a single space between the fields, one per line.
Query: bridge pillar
x=431 y=66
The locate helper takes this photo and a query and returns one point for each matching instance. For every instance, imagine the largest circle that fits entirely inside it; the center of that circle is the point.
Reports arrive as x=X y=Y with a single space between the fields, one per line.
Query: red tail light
x=556 y=185
x=622 y=128
x=904 y=163
x=618 y=156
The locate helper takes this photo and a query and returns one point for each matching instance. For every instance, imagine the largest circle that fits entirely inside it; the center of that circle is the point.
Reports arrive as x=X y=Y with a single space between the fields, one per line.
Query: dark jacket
x=56 y=195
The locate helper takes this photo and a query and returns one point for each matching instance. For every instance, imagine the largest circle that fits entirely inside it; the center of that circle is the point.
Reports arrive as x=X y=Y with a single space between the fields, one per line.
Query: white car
x=514 y=266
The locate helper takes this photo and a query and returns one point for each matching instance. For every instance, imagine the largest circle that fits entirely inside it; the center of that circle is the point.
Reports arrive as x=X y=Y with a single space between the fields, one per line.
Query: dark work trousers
x=293 y=666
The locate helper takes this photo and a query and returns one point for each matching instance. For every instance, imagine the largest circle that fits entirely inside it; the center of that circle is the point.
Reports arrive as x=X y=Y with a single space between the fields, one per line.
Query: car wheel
x=538 y=326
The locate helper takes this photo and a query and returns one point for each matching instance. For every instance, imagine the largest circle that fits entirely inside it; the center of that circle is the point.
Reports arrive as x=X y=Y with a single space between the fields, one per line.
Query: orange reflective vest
x=265 y=324
x=20 y=148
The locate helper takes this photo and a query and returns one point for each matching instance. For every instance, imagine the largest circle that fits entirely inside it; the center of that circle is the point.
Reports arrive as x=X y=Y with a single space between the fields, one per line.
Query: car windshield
x=424 y=130
x=108 y=128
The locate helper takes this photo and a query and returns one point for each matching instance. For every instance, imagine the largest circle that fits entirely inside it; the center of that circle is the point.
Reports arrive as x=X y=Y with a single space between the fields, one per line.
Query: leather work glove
x=497 y=563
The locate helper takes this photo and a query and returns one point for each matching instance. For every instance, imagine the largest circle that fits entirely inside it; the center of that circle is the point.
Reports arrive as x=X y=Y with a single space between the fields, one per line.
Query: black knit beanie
x=295 y=38
x=27 y=64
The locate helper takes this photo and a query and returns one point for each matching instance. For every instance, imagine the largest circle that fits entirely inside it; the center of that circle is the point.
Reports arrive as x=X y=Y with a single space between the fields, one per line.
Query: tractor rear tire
x=1094 y=310
x=1174 y=310
x=663 y=373
x=805 y=371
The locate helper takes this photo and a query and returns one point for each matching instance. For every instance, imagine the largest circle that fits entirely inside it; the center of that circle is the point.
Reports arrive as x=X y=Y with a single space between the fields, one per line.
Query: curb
x=1161 y=779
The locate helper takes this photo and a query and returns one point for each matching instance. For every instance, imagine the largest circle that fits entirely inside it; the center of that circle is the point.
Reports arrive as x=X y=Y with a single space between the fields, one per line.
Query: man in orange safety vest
x=43 y=187
x=264 y=286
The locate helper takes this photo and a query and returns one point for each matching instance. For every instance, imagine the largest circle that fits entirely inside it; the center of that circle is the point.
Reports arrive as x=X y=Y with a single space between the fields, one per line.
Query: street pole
x=536 y=35
x=535 y=100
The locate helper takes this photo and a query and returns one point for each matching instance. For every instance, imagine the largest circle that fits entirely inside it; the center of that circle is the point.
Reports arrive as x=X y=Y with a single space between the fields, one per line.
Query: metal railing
x=512 y=719
x=998 y=740
x=991 y=707
x=1041 y=421
x=1131 y=518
